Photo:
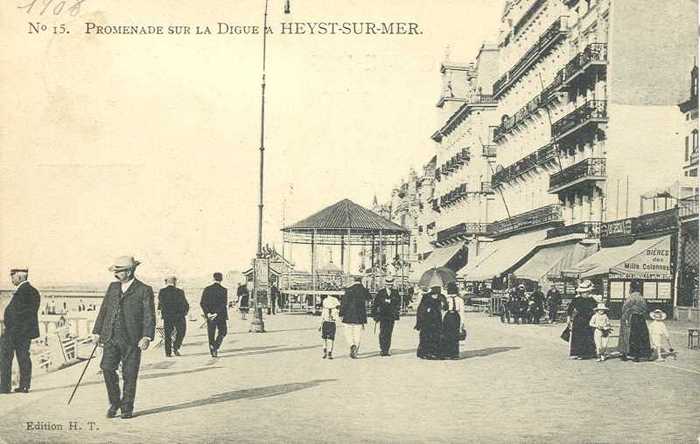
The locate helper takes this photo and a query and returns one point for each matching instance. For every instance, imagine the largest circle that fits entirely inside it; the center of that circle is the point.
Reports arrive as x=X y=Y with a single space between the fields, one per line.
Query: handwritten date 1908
x=57 y=7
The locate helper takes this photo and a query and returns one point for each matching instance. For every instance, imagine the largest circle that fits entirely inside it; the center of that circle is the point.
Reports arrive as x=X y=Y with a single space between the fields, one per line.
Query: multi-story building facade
x=582 y=128
x=410 y=207
x=464 y=159
x=689 y=109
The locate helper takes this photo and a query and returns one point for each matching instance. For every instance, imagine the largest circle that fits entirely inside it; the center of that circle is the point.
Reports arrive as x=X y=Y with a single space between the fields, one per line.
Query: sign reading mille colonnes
x=654 y=263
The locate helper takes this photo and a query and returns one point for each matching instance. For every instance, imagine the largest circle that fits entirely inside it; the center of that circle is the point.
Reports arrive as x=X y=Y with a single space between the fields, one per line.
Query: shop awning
x=642 y=259
x=502 y=255
x=549 y=260
x=438 y=258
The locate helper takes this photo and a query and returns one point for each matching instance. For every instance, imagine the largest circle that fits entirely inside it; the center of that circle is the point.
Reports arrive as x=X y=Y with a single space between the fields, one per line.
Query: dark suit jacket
x=172 y=303
x=386 y=305
x=352 y=307
x=21 y=314
x=215 y=300
x=139 y=312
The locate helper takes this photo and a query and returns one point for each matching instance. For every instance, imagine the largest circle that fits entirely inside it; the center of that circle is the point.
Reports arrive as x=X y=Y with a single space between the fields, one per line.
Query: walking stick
x=83 y=373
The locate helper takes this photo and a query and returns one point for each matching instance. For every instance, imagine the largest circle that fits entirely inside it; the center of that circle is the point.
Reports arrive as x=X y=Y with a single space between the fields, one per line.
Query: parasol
x=437 y=276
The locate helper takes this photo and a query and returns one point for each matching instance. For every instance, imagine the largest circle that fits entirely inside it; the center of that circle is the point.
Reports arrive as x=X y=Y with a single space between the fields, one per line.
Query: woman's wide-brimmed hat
x=123 y=263
x=601 y=306
x=584 y=286
x=658 y=315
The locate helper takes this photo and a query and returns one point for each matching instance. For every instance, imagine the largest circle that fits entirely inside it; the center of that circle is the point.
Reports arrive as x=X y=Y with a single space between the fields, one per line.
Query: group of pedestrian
x=521 y=308
x=440 y=322
x=589 y=328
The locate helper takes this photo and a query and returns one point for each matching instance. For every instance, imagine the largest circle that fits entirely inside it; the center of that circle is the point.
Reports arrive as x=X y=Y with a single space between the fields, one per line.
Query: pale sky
x=148 y=145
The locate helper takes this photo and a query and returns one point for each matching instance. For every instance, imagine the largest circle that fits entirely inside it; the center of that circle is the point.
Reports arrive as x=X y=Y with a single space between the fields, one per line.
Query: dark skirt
x=328 y=330
x=449 y=347
x=639 y=338
x=582 y=342
x=429 y=343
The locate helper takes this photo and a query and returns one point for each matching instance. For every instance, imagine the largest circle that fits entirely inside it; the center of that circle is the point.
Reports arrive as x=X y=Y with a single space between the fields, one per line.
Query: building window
x=694 y=82
x=687 y=146
x=694 y=173
x=695 y=141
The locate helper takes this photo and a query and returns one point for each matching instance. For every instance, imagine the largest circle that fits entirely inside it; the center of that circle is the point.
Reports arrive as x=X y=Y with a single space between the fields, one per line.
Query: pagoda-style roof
x=349 y=223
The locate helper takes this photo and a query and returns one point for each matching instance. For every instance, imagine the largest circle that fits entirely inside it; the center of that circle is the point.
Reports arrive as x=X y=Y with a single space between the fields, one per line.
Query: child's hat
x=658 y=315
x=601 y=306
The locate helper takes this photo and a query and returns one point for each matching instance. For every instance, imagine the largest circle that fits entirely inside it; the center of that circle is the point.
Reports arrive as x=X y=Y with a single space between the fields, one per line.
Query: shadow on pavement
x=233 y=350
x=254 y=393
x=484 y=352
x=141 y=377
x=275 y=349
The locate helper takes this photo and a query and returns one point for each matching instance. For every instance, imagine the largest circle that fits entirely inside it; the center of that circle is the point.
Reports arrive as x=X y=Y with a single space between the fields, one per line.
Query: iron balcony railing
x=533 y=218
x=465 y=228
x=591 y=230
x=593 y=54
x=489 y=151
x=551 y=36
x=591 y=111
x=588 y=169
x=522 y=166
x=688 y=206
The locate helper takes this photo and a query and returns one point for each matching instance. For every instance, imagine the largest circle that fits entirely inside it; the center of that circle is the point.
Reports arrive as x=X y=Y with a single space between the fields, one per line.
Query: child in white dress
x=601 y=323
x=658 y=334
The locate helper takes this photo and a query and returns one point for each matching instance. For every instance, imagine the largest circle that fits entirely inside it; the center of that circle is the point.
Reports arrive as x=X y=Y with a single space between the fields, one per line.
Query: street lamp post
x=261 y=264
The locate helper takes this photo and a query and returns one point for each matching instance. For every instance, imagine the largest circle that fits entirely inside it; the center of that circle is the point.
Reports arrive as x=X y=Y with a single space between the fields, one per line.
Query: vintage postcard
x=349 y=221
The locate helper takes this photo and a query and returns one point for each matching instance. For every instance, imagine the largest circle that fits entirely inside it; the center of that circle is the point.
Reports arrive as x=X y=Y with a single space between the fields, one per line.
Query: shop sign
x=616 y=228
x=654 y=263
x=262 y=271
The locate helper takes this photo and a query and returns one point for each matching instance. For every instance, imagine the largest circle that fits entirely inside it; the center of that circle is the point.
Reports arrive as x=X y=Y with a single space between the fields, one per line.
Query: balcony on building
x=541 y=157
x=547 y=41
x=539 y=217
x=460 y=232
x=688 y=208
x=489 y=151
x=588 y=230
x=590 y=114
x=585 y=65
x=583 y=172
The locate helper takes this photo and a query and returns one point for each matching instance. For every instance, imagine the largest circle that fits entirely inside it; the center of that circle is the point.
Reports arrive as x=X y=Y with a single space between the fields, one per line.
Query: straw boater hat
x=584 y=287
x=124 y=263
x=521 y=287
x=601 y=306
x=389 y=279
x=658 y=315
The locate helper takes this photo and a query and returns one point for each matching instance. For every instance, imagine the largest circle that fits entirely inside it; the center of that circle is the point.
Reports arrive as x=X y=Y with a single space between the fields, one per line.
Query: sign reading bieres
x=652 y=263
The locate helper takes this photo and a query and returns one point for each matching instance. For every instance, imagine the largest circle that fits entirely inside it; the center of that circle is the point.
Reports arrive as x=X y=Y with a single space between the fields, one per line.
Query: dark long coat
x=429 y=324
x=215 y=300
x=353 y=309
x=139 y=312
x=581 y=310
x=387 y=305
x=172 y=303
x=21 y=314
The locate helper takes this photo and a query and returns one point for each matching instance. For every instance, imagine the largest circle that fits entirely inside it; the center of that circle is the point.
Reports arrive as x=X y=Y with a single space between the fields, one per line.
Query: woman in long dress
x=579 y=313
x=452 y=323
x=634 y=334
x=429 y=324
x=243 y=299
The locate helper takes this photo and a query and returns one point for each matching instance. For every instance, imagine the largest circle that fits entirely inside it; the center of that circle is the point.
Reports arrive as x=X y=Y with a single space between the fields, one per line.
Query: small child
x=658 y=334
x=601 y=323
x=329 y=316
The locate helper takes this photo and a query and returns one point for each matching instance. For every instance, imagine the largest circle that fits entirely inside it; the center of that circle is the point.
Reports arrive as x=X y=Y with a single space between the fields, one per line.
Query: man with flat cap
x=173 y=308
x=385 y=311
x=214 y=304
x=21 y=326
x=125 y=326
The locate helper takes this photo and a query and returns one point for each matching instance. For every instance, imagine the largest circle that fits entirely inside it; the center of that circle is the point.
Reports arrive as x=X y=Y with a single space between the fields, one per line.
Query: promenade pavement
x=513 y=383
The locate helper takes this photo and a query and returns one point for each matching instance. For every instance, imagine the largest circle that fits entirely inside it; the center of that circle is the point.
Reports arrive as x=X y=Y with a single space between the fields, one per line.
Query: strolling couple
x=440 y=322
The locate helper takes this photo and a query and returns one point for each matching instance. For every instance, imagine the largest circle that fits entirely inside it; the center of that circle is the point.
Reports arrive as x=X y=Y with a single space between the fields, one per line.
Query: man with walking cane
x=385 y=311
x=125 y=326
